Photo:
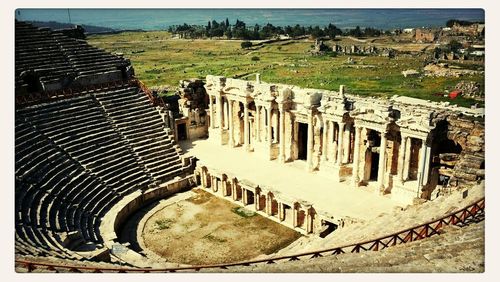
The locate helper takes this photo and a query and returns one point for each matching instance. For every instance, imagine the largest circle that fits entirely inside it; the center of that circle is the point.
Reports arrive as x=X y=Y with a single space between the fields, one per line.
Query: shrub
x=164 y=223
x=255 y=58
x=246 y=44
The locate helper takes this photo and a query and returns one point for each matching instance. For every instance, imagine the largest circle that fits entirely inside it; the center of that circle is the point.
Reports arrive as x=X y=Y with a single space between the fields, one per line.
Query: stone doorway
x=372 y=155
x=374 y=166
x=416 y=145
x=302 y=141
x=181 y=132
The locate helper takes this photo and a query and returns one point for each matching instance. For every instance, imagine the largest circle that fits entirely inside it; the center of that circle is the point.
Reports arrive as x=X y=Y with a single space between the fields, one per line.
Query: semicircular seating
x=76 y=157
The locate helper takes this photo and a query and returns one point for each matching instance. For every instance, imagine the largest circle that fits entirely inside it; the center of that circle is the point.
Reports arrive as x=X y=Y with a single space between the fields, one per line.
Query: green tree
x=356 y=32
x=454 y=46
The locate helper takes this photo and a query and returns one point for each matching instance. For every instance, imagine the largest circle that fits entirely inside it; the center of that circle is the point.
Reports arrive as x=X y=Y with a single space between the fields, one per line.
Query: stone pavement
x=292 y=180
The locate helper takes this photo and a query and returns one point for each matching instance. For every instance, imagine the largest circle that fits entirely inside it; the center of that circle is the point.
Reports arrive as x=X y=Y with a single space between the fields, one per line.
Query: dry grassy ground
x=160 y=60
x=205 y=229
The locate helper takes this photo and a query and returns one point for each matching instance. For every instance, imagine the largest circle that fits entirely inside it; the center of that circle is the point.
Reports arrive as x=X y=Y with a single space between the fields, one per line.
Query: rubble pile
x=470 y=89
x=442 y=70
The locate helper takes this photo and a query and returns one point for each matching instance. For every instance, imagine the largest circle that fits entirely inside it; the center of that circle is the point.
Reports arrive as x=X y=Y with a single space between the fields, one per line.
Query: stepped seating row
x=75 y=158
x=141 y=125
x=79 y=127
x=55 y=57
x=86 y=59
x=37 y=50
x=47 y=181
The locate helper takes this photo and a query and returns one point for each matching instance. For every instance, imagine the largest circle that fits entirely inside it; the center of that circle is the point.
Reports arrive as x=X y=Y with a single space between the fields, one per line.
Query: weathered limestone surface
x=193 y=103
x=457 y=250
x=398 y=139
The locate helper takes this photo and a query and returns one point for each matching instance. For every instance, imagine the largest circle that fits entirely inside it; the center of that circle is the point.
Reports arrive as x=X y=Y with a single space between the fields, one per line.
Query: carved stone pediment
x=370 y=116
x=415 y=123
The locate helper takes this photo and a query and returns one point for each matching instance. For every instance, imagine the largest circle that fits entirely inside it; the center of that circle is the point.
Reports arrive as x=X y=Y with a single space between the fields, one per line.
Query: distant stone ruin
x=320 y=48
x=363 y=50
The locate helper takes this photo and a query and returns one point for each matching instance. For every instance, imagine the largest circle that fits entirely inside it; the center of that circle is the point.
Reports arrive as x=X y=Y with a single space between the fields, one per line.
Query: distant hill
x=89 y=29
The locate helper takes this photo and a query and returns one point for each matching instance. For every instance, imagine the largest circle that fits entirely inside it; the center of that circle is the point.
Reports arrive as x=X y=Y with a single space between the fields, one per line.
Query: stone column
x=257 y=123
x=251 y=129
x=233 y=192
x=269 y=204
x=281 y=212
x=325 y=141
x=340 y=140
x=223 y=187
x=246 y=127
x=269 y=126
x=203 y=179
x=214 y=183
x=218 y=104
x=211 y=107
x=256 y=200
x=426 y=165
x=310 y=139
x=421 y=165
x=295 y=216
x=347 y=144
x=231 y=123
x=381 y=161
x=401 y=158
x=355 y=159
x=226 y=113
x=281 y=137
x=406 y=166
x=244 y=196
x=309 y=221
x=333 y=143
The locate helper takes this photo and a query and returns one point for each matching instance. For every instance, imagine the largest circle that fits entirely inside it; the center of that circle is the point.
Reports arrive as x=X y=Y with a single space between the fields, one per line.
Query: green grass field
x=160 y=60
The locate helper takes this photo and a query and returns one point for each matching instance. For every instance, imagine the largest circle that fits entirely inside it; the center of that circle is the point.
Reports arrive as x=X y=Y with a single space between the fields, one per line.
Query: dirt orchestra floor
x=204 y=229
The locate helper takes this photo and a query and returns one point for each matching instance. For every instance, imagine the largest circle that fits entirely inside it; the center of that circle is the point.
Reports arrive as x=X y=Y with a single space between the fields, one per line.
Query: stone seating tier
x=43 y=50
x=77 y=157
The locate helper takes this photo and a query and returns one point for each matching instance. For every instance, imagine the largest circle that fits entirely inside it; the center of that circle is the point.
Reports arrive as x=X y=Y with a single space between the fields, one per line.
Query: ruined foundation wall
x=469 y=134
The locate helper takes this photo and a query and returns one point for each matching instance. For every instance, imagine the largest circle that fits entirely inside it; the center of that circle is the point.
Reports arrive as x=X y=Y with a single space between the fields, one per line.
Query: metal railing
x=155 y=101
x=474 y=212
x=38 y=97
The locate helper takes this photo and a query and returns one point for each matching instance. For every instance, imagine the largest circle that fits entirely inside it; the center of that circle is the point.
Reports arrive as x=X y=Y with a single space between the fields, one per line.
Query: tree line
x=452 y=22
x=240 y=30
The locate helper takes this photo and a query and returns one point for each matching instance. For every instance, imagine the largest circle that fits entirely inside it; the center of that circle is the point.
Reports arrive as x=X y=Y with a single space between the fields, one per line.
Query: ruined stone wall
x=193 y=100
x=425 y=35
x=192 y=95
x=469 y=134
